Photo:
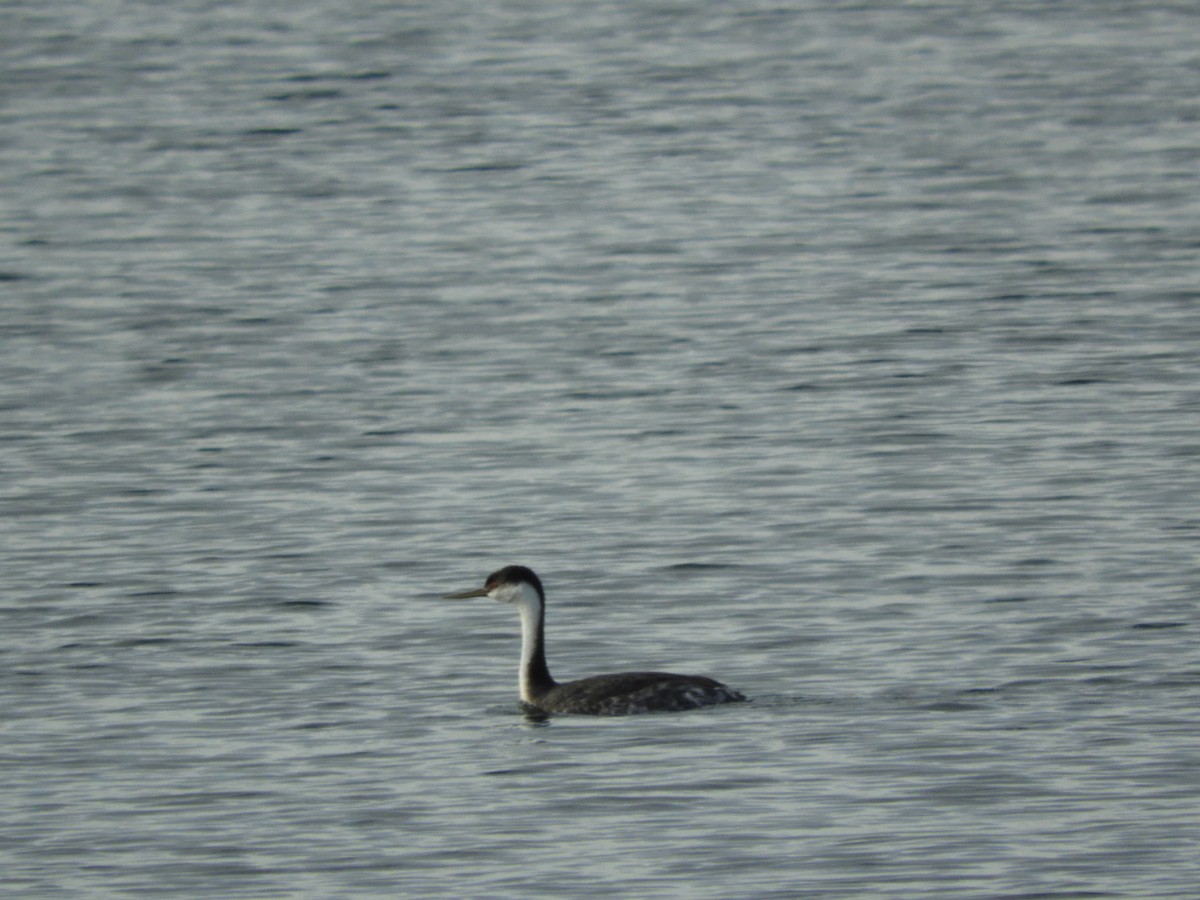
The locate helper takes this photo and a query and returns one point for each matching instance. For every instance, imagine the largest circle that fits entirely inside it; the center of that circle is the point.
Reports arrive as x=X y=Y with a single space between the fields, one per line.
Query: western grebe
x=617 y=694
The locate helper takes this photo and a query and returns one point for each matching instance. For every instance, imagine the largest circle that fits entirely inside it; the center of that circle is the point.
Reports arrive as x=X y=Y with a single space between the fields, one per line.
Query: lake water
x=844 y=351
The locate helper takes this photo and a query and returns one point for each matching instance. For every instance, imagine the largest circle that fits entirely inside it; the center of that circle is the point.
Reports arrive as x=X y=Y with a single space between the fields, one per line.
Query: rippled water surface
x=844 y=351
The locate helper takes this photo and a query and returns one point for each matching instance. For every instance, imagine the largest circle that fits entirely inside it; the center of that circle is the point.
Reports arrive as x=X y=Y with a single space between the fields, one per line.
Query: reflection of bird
x=616 y=694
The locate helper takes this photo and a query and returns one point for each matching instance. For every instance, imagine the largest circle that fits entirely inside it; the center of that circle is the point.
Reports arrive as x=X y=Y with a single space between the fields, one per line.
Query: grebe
x=617 y=694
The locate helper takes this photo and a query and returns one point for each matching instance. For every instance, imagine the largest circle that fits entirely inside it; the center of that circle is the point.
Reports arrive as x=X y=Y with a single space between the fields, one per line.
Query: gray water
x=845 y=351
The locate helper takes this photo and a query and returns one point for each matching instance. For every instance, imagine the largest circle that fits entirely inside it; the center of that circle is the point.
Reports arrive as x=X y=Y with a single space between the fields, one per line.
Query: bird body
x=616 y=694
x=633 y=692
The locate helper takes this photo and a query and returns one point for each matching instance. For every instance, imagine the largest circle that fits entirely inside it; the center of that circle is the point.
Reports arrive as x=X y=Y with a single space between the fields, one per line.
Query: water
x=844 y=352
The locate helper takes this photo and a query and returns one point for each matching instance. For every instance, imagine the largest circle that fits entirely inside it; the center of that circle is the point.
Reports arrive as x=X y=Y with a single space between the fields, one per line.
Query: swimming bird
x=617 y=694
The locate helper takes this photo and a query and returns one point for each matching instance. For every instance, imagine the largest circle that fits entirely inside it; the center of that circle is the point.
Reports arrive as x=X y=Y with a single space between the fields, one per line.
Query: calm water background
x=845 y=351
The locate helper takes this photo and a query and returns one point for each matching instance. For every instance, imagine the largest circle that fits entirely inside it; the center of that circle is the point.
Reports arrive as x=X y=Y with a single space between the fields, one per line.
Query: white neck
x=529 y=605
